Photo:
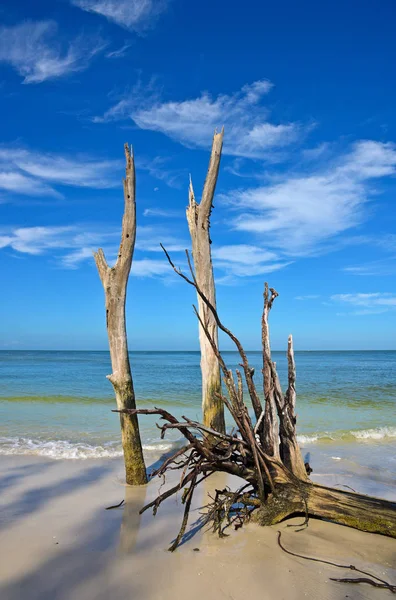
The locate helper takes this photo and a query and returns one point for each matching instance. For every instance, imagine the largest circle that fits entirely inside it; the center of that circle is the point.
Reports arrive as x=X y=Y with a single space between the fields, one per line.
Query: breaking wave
x=63 y=449
x=360 y=435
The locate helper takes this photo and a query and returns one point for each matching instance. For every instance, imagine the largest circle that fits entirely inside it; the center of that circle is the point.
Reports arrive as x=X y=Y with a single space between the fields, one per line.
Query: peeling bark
x=115 y=280
x=198 y=218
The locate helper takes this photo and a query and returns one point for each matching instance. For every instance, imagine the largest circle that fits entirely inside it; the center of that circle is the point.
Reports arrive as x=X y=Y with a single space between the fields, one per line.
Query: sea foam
x=361 y=435
x=63 y=449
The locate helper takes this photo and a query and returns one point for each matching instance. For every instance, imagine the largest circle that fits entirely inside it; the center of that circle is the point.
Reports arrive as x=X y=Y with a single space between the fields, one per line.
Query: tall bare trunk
x=115 y=282
x=270 y=429
x=198 y=217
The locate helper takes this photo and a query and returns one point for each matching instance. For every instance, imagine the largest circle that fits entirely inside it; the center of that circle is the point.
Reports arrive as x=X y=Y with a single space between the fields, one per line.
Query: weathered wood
x=289 y=448
x=228 y=379
x=269 y=429
x=115 y=280
x=338 y=506
x=276 y=486
x=198 y=218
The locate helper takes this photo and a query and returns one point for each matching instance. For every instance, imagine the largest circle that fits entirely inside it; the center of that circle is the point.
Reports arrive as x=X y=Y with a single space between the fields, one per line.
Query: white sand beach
x=59 y=543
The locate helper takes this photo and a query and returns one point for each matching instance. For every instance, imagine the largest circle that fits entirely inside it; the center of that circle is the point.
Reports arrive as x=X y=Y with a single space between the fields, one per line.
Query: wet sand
x=58 y=542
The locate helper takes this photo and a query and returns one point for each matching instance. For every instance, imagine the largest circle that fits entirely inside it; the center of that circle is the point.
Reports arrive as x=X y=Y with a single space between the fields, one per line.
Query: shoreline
x=62 y=544
x=365 y=466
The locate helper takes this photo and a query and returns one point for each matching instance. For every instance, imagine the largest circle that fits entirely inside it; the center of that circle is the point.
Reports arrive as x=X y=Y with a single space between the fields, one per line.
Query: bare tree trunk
x=270 y=429
x=115 y=282
x=198 y=217
x=289 y=448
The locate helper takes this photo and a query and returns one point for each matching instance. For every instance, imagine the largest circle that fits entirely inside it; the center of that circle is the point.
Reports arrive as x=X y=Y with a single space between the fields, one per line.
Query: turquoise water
x=58 y=404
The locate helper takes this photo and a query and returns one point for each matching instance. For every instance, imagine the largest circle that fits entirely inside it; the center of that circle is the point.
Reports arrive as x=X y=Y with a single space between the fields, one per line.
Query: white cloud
x=366 y=303
x=68 y=246
x=238 y=270
x=34 y=50
x=242 y=254
x=32 y=173
x=157 y=167
x=299 y=213
x=37 y=240
x=362 y=312
x=319 y=151
x=161 y=212
x=72 y=246
x=24 y=171
x=12 y=181
x=192 y=122
x=115 y=113
x=136 y=15
x=148 y=267
x=385 y=266
x=148 y=239
x=242 y=260
x=119 y=53
x=73 y=260
x=80 y=171
x=369 y=300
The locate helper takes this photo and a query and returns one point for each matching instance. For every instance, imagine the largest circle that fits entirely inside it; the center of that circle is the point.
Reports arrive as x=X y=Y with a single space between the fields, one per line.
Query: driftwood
x=198 y=218
x=379 y=583
x=276 y=482
x=115 y=280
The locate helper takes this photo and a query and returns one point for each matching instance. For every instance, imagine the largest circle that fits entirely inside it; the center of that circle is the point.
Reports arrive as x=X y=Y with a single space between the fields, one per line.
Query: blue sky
x=306 y=193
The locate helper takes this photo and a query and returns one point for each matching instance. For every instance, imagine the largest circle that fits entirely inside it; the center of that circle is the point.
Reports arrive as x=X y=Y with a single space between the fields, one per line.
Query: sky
x=306 y=191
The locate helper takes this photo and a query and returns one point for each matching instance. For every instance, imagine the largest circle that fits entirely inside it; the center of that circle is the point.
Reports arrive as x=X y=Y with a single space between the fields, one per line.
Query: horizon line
x=198 y=351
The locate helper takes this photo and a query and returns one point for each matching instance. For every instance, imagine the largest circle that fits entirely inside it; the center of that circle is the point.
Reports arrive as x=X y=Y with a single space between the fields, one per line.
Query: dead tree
x=198 y=218
x=276 y=481
x=115 y=280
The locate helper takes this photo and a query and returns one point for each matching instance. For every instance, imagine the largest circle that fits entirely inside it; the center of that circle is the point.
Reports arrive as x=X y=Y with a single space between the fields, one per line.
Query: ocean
x=58 y=405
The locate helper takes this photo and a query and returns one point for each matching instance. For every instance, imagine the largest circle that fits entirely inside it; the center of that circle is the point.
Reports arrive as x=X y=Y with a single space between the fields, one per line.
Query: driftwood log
x=262 y=451
x=198 y=218
x=115 y=281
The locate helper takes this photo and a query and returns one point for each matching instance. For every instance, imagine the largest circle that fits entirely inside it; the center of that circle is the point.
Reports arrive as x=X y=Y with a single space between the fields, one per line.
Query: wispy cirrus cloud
x=367 y=303
x=68 y=245
x=364 y=299
x=149 y=239
x=249 y=133
x=149 y=267
x=14 y=182
x=135 y=15
x=34 y=50
x=120 y=52
x=32 y=173
x=300 y=213
x=243 y=260
x=382 y=267
x=162 y=212
x=72 y=246
x=74 y=259
x=158 y=167
x=36 y=240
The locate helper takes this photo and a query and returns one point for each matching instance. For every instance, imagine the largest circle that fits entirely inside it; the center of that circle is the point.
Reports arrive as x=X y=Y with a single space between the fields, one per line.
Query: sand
x=58 y=543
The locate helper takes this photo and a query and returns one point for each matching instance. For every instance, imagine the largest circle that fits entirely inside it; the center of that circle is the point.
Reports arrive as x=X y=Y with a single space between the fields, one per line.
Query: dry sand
x=58 y=543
